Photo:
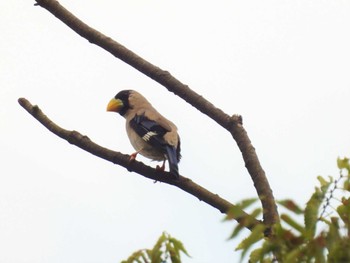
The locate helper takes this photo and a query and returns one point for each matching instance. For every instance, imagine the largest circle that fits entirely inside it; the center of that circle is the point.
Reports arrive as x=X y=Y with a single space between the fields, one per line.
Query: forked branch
x=232 y=124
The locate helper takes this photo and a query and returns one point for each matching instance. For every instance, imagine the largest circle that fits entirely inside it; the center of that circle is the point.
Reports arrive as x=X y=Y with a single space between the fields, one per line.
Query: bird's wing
x=153 y=133
x=149 y=130
x=152 y=115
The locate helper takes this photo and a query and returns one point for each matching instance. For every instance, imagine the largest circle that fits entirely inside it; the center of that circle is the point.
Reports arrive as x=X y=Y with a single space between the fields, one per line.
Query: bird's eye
x=123 y=95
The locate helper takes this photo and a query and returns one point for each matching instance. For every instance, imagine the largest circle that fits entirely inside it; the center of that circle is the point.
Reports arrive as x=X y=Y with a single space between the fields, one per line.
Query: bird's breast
x=144 y=147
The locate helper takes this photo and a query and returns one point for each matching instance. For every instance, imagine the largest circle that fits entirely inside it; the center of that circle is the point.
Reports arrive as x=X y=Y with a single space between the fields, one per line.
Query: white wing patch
x=148 y=135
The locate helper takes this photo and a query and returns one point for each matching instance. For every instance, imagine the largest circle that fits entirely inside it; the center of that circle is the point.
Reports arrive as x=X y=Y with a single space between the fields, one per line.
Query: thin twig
x=187 y=185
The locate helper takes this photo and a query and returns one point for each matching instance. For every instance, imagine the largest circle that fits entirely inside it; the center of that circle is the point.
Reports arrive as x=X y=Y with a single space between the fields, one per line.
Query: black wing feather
x=142 y=126
x=153 y=133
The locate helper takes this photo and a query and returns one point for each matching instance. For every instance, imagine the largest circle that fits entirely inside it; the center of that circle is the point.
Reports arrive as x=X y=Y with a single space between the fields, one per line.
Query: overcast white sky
x=283 y=65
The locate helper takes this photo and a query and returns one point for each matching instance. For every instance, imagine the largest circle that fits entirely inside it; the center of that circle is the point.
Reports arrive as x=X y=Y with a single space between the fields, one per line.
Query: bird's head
x=126 y=100
x=120 y=103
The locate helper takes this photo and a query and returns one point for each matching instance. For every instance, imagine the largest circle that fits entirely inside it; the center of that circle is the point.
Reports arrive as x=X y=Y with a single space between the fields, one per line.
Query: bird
x=150 y=133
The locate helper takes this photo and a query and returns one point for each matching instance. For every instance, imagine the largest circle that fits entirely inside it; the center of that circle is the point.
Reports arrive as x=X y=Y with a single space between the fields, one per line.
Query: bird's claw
x=133 y=156
x=161 y=168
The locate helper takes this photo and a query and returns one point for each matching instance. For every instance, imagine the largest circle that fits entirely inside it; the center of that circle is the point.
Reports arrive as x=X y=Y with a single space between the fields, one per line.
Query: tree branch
x=232 y=124
x=187 y=185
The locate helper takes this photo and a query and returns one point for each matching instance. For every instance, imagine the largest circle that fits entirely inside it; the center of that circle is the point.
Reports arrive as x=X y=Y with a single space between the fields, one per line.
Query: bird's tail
x=173 y=161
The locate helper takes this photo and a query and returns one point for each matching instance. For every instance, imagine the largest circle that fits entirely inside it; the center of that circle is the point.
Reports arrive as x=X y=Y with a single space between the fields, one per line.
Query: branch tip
x=22 y=101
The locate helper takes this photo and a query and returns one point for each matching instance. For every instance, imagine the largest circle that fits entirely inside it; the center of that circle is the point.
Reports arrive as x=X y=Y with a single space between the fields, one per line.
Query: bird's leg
x=132 y=158
x=133 y=155
x=161 y=168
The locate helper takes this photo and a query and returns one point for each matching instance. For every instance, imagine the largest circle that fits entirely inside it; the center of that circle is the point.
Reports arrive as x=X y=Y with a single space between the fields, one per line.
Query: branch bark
x=187 y=185
x=232 y=124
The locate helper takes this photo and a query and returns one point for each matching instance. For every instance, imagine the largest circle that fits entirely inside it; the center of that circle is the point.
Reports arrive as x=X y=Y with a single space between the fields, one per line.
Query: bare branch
x=83 y=142
x=232 y=124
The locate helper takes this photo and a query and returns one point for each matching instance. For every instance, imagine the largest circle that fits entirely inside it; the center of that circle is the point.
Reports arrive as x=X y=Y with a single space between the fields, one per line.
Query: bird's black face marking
x=124 y=97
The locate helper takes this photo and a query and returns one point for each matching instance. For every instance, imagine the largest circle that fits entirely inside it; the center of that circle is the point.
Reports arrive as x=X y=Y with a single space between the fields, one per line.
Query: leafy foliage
x=166 y=249
x=320 y=238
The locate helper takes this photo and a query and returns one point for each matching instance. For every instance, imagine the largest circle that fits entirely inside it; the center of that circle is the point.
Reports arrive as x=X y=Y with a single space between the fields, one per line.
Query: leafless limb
x=232 y=124
x=83 y=142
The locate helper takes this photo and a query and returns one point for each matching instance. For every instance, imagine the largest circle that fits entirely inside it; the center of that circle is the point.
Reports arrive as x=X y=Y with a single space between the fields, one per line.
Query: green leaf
x=135 y=257
x=293 y=256
x=343 y=163
x=324 y=183
x=247 y=202
x=266 y=251
x=236 y=231
x=160 y=242
x=233 y=213
x=313 y=206
x=236 y=211
x=156 y=256
x=255 y=213
x=291 y=206
x=256 y=255
x=178 y=246
x=156 y=253
x=317 y=248
x=340 y=252
x=311 y=213
x=173 y=252
x=247 y=220
x=165 y=247
x=343 y=211
x=333 y=235
x=290 y=221
x=145 y=258
x=256 y=235
x=346 y=185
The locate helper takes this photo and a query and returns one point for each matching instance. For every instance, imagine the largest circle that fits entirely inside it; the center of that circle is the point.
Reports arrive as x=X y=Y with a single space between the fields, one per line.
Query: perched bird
x=151 y=134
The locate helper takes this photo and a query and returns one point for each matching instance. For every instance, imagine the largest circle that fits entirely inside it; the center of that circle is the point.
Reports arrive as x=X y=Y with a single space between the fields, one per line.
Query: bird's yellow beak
x=115 y=105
